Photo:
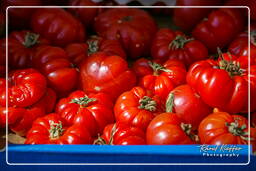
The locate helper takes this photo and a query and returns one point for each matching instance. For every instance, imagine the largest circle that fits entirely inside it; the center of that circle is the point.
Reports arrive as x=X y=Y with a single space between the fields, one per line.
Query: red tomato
x=93 y=111
x=187 y=18
x=108 y=74
x=126 y=26
x=52 y=129
x=121 y=134
x=25 y=87
x=222 y=128
x=141 y=67
x=168 y=128
x=220 y=28
x=164 y=78
x=58 y=26
x=169 y=44
x=188 y=105
x=137 y=107
x=224 y=83
x=54 y=64
x=14 y=114
x=21 y=48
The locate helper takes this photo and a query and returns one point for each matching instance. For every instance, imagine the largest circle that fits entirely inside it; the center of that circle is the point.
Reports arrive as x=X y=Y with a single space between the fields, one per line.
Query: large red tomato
x=25 y=87
x=121 y=134
x=93 y=111
x=168 y=128
x=222 y=128
x=164 y=78
x=108 y=74
x=52 y=129
x=224 y=83
x=169 y=44
x=137 y=107
x=126 y=26
x=188 y=105
x=54 y=64
x=58 y=26
x=220 y=28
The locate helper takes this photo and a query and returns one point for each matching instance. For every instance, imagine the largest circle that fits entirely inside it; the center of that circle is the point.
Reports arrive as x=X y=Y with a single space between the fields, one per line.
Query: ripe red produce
x=164 y=78
x=52 y=129
x=54 y=64
x=141 y=67
x=93 y=111
x=224 y=83
x=169 y=44
x=107 y=74
x=126 y=26
x=121 y=134
x=58 y=26
x=25 y=87
x=220 y=28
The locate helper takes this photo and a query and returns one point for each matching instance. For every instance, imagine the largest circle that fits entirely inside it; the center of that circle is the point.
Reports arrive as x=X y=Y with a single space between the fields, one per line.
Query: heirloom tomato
x=222 y=128
x=54 y=64
x=164 y=78
x=224 y=83
x=169 y=44
x=137 y=107
x=220 y=28
x=125 y=25
x=121 y=134
x=109 y=74
x=52 y=129
x=93 y=111
x=58 y=26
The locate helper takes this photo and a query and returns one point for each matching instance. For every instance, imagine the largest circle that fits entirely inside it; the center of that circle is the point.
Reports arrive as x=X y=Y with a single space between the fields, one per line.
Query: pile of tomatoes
x=112 y=76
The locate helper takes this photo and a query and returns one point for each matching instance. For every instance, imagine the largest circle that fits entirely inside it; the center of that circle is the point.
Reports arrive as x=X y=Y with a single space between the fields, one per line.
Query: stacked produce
x=112 y=76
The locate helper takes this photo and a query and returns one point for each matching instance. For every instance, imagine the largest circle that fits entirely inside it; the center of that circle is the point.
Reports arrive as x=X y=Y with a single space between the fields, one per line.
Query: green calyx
x=179 y=42
x=187 y=129
x=147 y=103
x=56 y=130
x=31 y=39
x=83 y=101
x=102 y=141
x=169 y=103
x=237 y=130
x=93 y=47
x=157 y=68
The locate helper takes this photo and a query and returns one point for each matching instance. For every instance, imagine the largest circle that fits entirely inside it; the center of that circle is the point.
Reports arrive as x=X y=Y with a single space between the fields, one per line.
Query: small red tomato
x=137 y=107
x=107 y=74
x=169 y=44
x=58 y=26
x=168 y=128
x=121 y=134
x=52 y=129
x=93 y=111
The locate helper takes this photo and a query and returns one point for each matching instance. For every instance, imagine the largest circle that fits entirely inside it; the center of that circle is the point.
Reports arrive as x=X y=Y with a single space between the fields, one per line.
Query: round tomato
x=25 y=87
x=125 y=25
x=137 y=107
x=121 y=134
x=14 y=114
x=58 y=26
x=108 y=74
x=54 y=64
x=164 y=78
x=93 y=111
x=220 y=28
x=168 y=128
x=169 y=44
x=52 y=129
x=222 y=128
x=224 y=83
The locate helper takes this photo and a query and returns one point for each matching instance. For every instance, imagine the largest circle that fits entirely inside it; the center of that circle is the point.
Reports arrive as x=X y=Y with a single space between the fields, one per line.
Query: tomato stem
x=179 y=42
x=187 y=129
x=83 y=101
x=147 y=103
x=56 y=130
x=102 y=141
x=234 y=128
x=157 y=67
x=170 y=103
x=93 y=47
x=31 y=39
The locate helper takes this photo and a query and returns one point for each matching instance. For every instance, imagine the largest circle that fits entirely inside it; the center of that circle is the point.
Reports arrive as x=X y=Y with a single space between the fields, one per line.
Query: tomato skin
x=107 y=74
x=54 y=64
x=163 y=47
x=14 y=114
x=94 y=116
x=124 y=135
x=188 y=105
x=74 y=134
x=220 y=28
x=165 y=129
x=208 y=82
x=129 y=109
x=141 y=67
x=213 y=129
x=125 y=25
x=25 y=87
x=58 y=26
